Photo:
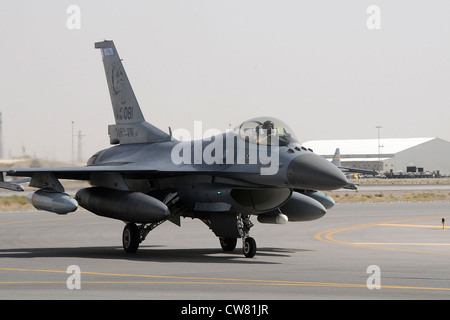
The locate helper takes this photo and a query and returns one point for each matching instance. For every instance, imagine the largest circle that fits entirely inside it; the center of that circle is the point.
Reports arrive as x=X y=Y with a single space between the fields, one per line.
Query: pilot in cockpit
x=266 y=131
x=265 y=135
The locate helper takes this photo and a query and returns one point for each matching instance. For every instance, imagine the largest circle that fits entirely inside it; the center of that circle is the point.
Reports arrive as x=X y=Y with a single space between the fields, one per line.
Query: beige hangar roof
x=363 y=146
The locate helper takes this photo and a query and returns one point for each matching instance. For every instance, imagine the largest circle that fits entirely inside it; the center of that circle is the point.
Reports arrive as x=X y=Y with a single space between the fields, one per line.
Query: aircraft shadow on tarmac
x=150 y=253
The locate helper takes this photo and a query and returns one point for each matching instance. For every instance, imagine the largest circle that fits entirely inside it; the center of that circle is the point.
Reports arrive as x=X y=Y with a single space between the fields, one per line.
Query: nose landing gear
x=248 y=243
x=249 y=247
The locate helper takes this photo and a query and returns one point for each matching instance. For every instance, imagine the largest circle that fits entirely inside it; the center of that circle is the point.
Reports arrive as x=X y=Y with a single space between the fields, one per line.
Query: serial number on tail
x=121 y=132
x=126 y=113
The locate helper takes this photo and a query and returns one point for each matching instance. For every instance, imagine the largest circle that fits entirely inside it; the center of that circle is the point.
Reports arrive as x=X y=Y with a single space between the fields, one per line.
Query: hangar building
x=389 y=155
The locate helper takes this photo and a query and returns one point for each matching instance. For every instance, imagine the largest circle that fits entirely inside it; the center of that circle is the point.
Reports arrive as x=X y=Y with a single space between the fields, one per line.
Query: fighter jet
x=149 y=176
x=337 y=162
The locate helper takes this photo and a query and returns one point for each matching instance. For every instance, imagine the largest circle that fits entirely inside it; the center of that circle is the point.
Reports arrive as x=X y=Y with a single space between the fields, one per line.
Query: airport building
x=389 y=156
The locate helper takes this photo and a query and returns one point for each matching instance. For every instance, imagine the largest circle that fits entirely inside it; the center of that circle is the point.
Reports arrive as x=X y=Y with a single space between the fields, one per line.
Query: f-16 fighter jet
x=148 y=177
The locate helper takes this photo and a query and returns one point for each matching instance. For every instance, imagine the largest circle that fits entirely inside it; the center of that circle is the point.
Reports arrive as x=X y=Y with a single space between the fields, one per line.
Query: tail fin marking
x=337 y=158
x=130 y=126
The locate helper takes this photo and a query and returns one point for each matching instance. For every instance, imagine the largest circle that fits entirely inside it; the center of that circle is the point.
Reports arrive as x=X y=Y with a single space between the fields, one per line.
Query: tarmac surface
x=402 y=187
x=357 y=251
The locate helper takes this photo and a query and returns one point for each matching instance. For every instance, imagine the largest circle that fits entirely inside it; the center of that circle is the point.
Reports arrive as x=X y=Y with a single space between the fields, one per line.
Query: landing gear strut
x=248 y=243
x=133 y=235
x=228 y=243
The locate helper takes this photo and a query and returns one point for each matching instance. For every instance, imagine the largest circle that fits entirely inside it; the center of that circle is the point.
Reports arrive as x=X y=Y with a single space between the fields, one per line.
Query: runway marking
x=404 y=243
x=409 y=225
x=49 y=219
x=225 y=281
x=42 y=220
x=327 y=236
x=205 y=281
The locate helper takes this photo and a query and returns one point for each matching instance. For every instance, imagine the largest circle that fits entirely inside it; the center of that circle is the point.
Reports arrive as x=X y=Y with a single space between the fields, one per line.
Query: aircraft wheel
x=228 y=244
x=130 y=238
x=249 y=247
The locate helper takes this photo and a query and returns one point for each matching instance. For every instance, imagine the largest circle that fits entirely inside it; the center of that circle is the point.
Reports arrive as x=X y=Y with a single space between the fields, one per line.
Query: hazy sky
x=314 y=64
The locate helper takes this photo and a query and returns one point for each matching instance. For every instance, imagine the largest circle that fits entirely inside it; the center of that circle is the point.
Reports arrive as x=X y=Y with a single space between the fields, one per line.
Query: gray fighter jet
x=149 y=177
x=337 y=162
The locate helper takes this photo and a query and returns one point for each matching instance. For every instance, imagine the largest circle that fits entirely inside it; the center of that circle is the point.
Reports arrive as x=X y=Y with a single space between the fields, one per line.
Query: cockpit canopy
x=264 y=130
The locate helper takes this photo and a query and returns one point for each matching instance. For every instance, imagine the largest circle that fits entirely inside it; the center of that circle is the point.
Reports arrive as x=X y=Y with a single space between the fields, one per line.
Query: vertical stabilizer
x=130 y=126
x=337 y=158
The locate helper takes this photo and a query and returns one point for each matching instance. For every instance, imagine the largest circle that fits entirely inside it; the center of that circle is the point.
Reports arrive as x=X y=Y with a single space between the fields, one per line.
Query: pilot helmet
x=267 y=123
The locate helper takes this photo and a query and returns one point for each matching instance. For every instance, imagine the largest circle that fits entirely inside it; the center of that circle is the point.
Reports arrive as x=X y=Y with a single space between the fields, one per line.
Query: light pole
x=379 y=146
x=72 y=143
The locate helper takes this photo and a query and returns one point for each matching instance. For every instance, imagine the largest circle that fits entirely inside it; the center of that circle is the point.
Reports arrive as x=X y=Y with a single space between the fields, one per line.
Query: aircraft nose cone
x=310 y=171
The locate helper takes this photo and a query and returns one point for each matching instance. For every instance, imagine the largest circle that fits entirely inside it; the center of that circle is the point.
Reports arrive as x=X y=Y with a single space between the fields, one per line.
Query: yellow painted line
x=403 y=244
x=44 y=220
x=207 y=281
x=409 y=225
x=224 y=280
x=221 y=281
x=203 y=279
x=328 y=235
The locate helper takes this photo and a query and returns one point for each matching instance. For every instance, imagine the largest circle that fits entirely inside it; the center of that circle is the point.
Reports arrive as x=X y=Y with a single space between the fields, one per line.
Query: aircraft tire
x=130 y=238
x=249 y=247
x=228 y=244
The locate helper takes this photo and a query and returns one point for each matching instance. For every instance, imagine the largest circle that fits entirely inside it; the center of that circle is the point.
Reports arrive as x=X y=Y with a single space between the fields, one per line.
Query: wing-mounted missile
x=298 y=208
x=122 y=205
x=11 y=186
x=53 y=201
x=14 y=185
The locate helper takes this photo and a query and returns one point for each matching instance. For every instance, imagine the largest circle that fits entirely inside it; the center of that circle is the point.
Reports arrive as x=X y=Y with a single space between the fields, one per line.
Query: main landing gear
x=130 y=238
x=133 y=235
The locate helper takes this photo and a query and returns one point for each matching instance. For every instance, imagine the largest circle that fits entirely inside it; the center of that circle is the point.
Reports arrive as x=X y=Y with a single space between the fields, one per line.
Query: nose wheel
x=243 y=225
x=248 y=243
x=249 y=247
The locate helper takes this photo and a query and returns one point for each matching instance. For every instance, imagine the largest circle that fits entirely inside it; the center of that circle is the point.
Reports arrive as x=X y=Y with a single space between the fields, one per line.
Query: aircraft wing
x=350 y=186
x=72 y=173
x=49 y=177
x=362 y=171
x=83 y=173
x=337 y=162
